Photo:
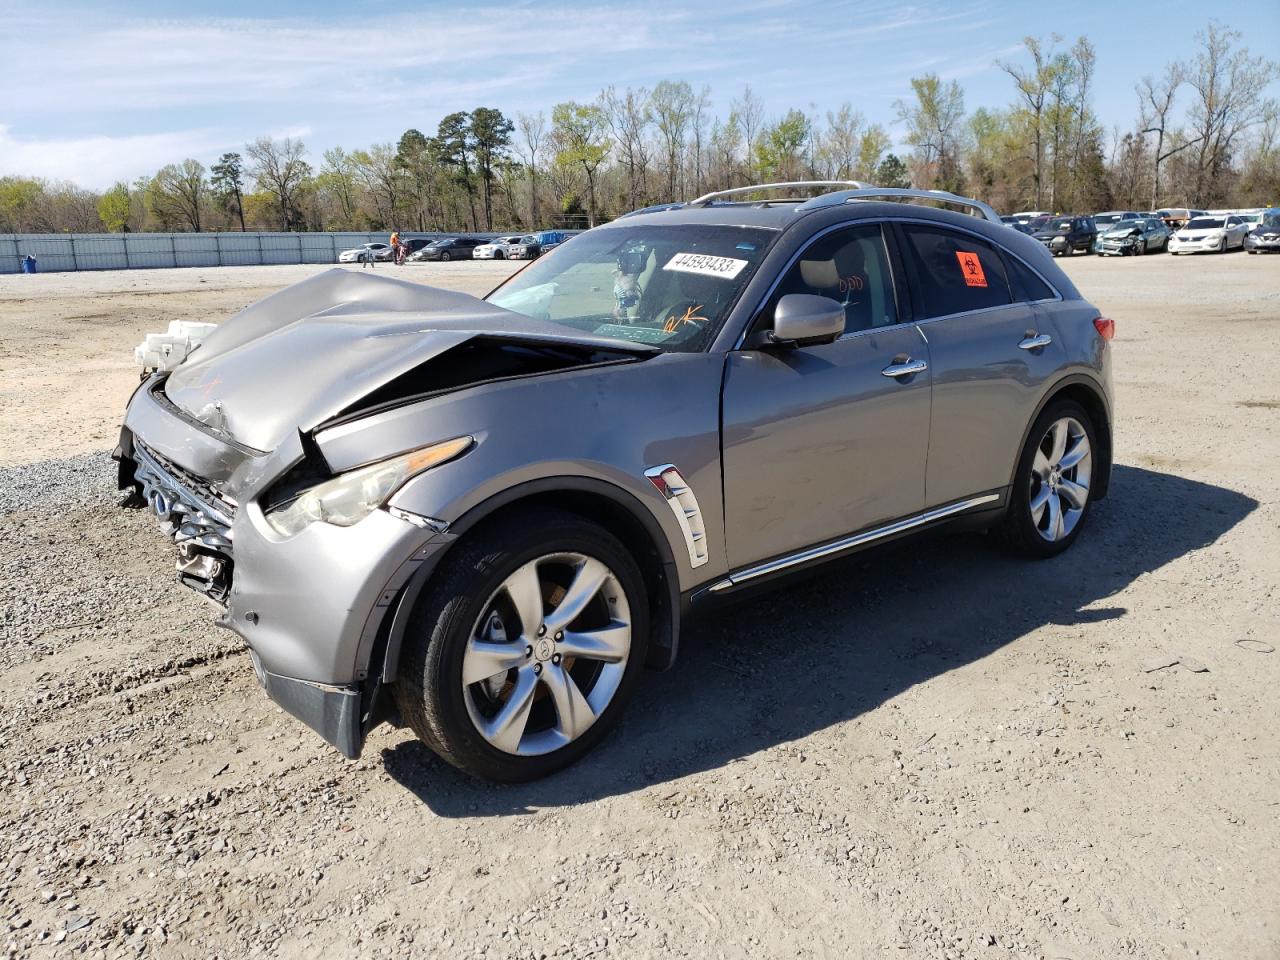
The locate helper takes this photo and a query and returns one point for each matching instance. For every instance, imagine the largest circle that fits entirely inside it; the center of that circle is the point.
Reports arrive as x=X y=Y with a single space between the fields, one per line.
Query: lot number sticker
x=706 y=265
x=971 y=269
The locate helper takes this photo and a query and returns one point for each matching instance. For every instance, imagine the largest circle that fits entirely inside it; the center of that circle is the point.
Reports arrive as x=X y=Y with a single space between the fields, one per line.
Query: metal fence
x=128 y=251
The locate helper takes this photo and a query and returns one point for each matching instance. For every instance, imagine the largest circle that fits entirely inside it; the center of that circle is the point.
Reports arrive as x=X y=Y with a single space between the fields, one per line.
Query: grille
x=202 y=489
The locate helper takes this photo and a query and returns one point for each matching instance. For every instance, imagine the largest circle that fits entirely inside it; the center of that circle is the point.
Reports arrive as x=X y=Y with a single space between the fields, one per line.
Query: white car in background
x=380 y=251
x=495 y=249
x=1209 y=235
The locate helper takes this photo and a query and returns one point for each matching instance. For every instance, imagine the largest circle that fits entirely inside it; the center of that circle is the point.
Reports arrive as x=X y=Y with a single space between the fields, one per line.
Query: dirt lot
x=932 y=751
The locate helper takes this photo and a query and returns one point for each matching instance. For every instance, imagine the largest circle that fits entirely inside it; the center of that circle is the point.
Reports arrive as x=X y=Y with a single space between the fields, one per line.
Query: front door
x=826 y=440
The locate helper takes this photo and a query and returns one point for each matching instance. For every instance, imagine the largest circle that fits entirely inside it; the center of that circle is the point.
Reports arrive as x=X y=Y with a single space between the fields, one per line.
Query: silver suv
x=483 y=518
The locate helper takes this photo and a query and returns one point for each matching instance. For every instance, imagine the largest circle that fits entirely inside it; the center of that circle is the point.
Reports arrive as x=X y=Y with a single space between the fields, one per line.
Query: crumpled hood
x=301 y=356
x=1120 y=232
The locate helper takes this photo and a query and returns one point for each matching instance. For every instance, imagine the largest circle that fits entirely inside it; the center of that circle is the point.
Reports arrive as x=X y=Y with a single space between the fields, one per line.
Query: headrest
x=821 y=274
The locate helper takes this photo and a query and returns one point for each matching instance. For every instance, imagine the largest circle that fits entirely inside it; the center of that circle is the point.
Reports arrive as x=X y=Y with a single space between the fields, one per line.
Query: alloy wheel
x=547 y=654
x=1060 y=475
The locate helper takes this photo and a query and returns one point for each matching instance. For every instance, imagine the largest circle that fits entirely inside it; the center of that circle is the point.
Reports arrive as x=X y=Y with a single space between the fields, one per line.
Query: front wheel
x=446 y=256
x=524 y=654
x=1050 y=496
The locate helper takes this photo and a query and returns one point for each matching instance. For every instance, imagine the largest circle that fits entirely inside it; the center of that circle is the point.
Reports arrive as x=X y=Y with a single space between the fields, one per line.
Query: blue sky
x=101 y=91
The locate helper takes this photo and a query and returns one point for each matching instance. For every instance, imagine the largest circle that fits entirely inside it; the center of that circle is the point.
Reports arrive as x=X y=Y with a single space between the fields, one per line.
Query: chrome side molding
x=739 y=577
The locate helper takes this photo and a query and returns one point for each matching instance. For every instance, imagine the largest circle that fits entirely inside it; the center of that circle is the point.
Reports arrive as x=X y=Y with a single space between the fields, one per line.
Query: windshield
x=668 y=286
x=1206 y=223
x=1107 y=218
x=1060 y=225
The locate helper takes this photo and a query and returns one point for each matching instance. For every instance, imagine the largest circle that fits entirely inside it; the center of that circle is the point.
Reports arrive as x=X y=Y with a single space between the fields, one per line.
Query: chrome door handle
x=1036 y=341
x=905 y=368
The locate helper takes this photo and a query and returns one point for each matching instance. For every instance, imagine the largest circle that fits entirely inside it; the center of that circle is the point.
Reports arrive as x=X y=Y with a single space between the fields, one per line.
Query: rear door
x=822 y=441
x=989 y=356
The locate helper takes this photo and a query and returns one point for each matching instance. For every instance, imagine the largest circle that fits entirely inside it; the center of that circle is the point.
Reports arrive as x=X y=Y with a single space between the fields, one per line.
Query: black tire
x=1017 y=531
x=428 y=687
x=1140 y=248
x=497 y=255
x=446 y=256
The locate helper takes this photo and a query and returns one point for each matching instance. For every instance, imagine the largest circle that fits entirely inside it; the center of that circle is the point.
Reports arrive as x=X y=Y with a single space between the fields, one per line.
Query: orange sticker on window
x=971 y=269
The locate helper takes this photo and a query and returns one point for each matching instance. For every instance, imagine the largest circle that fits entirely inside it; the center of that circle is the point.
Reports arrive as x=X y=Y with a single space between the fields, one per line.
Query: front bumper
x=314 y=609
x=1267 y=244
x=1110 y=248
x=1205 y=245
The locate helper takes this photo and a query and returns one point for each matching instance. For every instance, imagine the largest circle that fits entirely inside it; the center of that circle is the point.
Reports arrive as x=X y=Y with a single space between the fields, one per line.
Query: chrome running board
x=739 y=577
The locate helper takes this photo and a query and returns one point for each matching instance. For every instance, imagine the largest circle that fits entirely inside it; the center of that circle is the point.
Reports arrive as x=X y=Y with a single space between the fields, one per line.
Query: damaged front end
x=295 y=542
x=196 y=515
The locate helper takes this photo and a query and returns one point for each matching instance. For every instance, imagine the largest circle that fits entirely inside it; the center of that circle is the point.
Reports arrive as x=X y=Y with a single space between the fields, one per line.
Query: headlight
x=350 y=497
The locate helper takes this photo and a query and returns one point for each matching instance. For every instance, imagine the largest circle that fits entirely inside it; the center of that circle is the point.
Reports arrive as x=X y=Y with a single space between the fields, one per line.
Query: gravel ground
x=932 y=751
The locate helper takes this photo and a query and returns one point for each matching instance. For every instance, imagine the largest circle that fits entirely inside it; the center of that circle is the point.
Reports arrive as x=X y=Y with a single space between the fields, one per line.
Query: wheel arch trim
x=665 y=619
x=1106 y=438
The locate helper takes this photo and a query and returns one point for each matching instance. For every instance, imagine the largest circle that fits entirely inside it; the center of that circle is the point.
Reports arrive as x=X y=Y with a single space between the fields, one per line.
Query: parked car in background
x=525 y=248
x=549 y=239
x=450 y=248
x=495 y=249
x=1016 y=224
x=1025 y=217
x=1134 y=238
x=1209 y=235
x=1106 y=220
x=482 y=519
x=1063 y=236
x=1265 y=237
x=1175 y=218
x=380 y=251
x=413 y=244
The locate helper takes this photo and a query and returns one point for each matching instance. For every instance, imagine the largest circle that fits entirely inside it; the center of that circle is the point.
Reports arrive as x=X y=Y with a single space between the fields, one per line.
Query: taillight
x=1105 y=326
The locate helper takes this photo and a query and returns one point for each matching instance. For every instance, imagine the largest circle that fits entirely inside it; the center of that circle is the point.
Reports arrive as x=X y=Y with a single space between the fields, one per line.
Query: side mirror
x=802 y=319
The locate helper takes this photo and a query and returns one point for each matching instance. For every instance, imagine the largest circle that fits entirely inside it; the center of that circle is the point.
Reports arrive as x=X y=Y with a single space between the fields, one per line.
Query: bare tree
x=934 y=127
x=629 y=116
x=533 y=128
x=749 y=110
x=1034 y=84
x=1228 y=85
x=1155 y=98
x=701 y=111
x=279 y=168
x=673 y=106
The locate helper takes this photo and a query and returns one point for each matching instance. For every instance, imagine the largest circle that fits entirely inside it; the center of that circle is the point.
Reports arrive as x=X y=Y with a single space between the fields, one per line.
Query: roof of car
x=777 y=215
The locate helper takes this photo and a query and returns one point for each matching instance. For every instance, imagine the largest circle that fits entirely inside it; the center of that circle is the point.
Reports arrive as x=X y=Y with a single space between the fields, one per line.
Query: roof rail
x=706 y=198
x=899 y=193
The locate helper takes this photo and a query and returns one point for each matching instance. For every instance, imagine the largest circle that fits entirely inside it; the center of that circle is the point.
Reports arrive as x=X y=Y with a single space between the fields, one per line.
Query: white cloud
x=99 y=161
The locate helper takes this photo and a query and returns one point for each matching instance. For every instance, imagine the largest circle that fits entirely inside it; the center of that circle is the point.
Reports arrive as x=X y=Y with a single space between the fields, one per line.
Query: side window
x=1025 y=283
x=955 y=271
x=851 y=267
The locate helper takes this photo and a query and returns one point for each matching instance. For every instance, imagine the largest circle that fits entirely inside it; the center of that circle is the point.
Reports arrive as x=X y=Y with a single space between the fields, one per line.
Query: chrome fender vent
x=671 y=483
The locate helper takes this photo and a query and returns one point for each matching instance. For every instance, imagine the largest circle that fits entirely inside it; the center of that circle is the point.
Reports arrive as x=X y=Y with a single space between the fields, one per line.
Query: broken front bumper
x=314 y=609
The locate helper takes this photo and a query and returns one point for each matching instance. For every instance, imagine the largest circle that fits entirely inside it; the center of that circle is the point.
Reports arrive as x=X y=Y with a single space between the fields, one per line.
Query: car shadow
x=821 y=651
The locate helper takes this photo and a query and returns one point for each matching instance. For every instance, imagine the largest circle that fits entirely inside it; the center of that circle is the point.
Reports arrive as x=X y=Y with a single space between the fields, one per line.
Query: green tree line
x=1203 y=135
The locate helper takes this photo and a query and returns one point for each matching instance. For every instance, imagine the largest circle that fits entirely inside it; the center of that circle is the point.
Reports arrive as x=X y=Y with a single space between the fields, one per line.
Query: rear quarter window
x=954 y=272
x=1024 y=283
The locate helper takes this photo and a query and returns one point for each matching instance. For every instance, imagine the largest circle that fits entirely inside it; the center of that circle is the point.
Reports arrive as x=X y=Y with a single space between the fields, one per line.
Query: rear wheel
x=524 y=653
x=1050 y=497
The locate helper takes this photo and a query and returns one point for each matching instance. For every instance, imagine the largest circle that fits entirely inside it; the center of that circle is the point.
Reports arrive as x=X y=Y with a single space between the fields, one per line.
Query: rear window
x=955 y=272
